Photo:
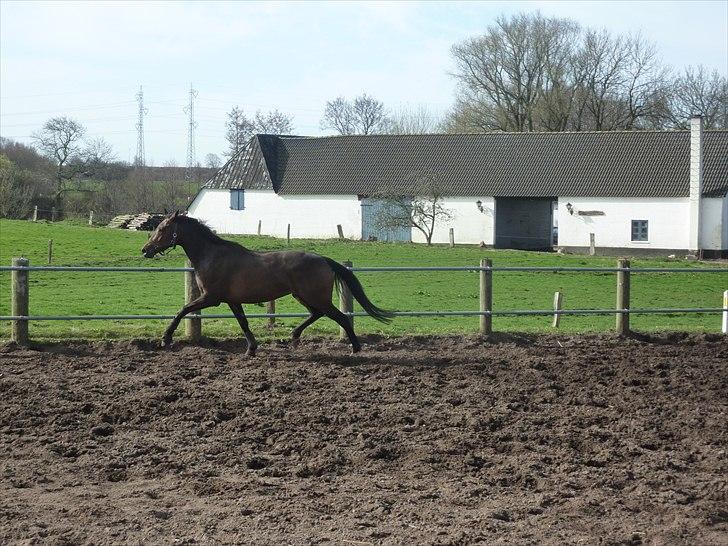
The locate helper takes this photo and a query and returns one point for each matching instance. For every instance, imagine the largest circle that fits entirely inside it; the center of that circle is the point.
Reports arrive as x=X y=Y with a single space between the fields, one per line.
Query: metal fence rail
x=20 y=316
x=514 y=313
x=542 y=269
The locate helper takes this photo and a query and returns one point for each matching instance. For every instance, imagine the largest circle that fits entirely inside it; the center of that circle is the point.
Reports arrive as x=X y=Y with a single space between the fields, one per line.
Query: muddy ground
x=527 y=440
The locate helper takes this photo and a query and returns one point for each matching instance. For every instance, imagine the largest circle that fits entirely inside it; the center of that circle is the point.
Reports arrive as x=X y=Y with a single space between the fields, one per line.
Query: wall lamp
x=479 y=204
x=570 y=208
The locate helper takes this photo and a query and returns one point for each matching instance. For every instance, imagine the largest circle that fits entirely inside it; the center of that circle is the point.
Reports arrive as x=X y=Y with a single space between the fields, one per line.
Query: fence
x=20 y=289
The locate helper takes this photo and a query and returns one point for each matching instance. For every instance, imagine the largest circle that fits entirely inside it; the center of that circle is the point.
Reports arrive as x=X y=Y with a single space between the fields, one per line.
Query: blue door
x=373 y=211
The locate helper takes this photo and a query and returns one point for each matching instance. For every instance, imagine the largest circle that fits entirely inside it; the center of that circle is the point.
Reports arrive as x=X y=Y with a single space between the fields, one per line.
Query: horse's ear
x=176 y=214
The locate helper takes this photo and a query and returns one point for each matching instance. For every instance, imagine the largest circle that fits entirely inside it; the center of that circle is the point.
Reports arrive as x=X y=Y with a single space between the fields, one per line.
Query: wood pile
x=121 y=221
x=136 y=222
x=145 y=222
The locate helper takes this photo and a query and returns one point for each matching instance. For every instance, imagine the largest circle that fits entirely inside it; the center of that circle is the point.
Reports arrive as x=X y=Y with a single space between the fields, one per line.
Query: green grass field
x=55 y=293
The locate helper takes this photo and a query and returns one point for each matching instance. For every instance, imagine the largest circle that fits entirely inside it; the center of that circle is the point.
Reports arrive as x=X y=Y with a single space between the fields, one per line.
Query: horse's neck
x=195 y=247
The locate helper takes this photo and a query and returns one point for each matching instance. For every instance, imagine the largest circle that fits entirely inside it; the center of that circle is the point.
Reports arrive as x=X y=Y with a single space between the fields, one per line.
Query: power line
x=80 y=108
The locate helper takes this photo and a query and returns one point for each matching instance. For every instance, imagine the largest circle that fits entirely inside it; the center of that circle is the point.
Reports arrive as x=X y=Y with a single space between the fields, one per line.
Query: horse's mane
x=205 y=230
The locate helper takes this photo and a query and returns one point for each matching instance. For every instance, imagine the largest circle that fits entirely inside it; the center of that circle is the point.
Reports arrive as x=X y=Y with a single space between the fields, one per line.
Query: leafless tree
x=240 y=128
x=94 y=156
x=696 y=91
x=423 y=209
x=212 y=161
x=363 y=116
x=531 y=73
x=60 y=140
x=414 y=121
x=646 y=86
x=504 y=72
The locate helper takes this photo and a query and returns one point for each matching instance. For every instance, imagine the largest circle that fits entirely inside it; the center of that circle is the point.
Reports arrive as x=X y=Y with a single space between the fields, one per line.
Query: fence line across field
x=543 y=269
x=20 y=316
x=514 y=313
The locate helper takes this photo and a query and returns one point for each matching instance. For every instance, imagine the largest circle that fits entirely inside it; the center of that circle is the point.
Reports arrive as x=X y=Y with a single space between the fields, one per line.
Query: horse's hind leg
x=237 y=310
x=315 y=315
x=334 y=314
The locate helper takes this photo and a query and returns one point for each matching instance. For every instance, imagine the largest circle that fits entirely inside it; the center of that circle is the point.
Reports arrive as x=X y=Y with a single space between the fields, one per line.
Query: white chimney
x=696 y=180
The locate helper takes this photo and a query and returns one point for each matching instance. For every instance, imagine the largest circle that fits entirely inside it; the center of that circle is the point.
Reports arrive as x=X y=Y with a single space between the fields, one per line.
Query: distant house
x=637 y=192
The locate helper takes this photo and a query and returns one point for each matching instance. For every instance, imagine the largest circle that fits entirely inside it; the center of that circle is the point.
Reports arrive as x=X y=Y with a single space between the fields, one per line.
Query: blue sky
x=87 y=60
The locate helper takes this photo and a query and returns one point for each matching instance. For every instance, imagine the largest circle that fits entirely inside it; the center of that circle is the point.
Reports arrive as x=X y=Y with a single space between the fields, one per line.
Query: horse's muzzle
x=149 y=252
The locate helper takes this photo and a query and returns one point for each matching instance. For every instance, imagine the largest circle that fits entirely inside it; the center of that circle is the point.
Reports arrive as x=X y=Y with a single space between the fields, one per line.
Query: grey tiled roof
x=586 y=164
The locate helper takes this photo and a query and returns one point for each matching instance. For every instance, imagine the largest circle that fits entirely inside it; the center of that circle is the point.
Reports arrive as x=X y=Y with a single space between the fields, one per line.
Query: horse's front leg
x=200 y=303
x=237 y=310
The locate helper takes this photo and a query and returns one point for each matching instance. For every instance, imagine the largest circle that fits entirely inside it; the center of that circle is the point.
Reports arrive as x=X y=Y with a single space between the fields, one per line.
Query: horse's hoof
x=166 y=343
x=295 y=342
x=355 y=349
x=250 y=353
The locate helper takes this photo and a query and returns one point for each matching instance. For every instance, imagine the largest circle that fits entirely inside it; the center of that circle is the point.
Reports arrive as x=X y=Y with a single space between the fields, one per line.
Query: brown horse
x=227 y=272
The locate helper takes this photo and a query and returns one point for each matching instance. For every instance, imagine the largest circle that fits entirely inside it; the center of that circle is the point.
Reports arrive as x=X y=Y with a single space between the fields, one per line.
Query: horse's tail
x=343 y=274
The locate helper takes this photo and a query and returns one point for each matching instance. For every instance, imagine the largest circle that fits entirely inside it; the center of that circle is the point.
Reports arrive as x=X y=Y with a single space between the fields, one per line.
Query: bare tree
x=60 y=140
x=646 y=85
x=696 y=91
x=504 y=71
x=273 y=123
x=531 y=73
x=240 y=128
x=414 y=121
x=422 y=210
x=363 y=116
x=95 y=155
x=212 y=161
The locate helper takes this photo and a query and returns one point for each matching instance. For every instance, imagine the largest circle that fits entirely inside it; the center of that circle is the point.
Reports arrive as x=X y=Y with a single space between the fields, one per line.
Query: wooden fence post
x=19 y=302
x=260 y=223
x=340 y=230
x=35 y=214
x=725 y=312
x=622 y=297
x=557 y=307
x=53 y=214
x=486 y=297
x=452 y=237
x=193 y=327
x=346 y=303
x=91 y=218
x=288 y=234
x=592 y=245
x=50 y=251
x=270 y=308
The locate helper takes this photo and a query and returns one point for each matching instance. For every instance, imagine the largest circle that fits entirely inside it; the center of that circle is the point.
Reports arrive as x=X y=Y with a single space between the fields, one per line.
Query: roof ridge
x=491 y=133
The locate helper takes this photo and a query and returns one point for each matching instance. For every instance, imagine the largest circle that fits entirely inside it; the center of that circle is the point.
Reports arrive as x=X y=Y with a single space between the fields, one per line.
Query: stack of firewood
x=137 y=222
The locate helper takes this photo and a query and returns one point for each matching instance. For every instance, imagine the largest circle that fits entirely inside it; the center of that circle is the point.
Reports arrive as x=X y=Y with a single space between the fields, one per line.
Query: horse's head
x=164 y=237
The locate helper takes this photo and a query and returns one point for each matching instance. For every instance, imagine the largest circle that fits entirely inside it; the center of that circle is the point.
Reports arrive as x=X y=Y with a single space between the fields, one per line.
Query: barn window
x=237 y=199
x=639 y=230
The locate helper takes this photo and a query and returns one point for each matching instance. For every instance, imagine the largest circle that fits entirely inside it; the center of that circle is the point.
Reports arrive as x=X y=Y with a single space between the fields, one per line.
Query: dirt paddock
x=518 y=440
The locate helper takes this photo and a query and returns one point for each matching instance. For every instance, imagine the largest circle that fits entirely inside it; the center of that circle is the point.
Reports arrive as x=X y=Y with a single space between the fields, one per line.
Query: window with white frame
x=237 y=199
x=639 y=230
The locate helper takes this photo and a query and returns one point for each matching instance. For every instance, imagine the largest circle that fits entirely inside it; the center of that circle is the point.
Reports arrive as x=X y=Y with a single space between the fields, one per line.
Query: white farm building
x=632 y=192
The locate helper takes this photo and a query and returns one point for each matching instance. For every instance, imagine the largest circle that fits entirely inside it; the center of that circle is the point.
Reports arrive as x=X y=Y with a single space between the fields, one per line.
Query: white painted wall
x=471 y=226
x=313 y=217
x=668 y=219
x=317 y=217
